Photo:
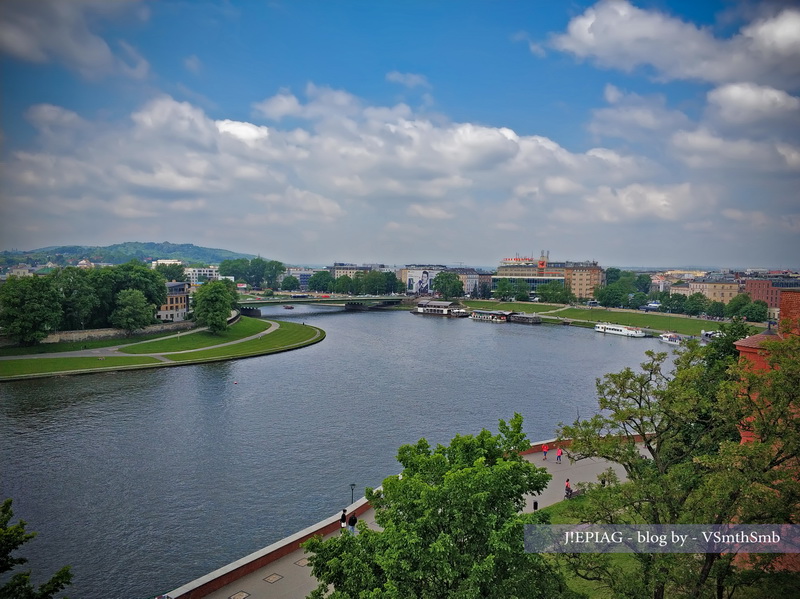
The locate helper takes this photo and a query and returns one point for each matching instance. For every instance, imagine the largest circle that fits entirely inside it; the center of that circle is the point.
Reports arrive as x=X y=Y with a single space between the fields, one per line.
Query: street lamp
x=352 y=490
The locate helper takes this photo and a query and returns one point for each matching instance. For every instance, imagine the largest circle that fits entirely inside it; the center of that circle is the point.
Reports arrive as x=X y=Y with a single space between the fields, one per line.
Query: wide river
x=145 y=480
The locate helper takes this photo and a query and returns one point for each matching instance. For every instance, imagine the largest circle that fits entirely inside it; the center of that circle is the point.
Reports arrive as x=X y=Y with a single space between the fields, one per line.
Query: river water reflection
x=143 y=481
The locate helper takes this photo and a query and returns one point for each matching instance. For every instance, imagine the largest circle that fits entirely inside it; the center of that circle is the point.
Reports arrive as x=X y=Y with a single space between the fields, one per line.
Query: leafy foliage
x=173 y=272
x=321 y=281
x=30 y=308
x=451 y=527
x=290 y=283
x=448 y=284
x=504 y=291
x=19 y=586
x=212 y=305
x=132 y=312
x=693 y=468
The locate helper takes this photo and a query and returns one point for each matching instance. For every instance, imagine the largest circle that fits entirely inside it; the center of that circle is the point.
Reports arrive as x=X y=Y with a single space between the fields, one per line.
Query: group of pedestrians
x=559 y=452
x=350 y=522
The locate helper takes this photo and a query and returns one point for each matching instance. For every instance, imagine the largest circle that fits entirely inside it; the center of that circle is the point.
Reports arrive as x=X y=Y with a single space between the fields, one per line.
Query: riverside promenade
x=280 y=570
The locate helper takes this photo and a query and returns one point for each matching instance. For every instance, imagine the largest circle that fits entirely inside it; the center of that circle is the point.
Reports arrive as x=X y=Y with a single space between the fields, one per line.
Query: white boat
x=618 y=329
x=671 y=338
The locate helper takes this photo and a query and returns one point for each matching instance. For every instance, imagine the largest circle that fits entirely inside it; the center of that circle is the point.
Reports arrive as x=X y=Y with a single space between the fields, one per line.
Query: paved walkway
x=290 y=578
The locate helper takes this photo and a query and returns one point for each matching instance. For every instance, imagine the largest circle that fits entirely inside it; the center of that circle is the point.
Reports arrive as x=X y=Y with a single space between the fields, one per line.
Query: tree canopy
x=132 y=312
x=504 y=291
x=448 y=284
x=321 y=281
x=173 y=272
x=212 y=305
x=30 y=308
x=691 y=467
x=451 y=527
x=290 y=283
x=19 y=586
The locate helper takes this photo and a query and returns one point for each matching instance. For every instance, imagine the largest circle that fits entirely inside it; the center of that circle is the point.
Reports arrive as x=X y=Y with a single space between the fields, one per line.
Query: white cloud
x=618 y=35
x=407 y=79
x=745 y=103
x=702 y=148
x=635 y=117
x=429 y=212
x=44 y=31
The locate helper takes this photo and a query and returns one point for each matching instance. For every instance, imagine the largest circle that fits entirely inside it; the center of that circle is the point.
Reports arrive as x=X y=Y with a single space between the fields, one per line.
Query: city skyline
x=310 y=132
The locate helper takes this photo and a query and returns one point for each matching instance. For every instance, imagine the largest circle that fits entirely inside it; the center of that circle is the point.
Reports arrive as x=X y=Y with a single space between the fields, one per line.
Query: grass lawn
x=658 y=322
x=46 y=365
x=289 y=336
x=510 y=306
x=53 y=348
x=197 y=340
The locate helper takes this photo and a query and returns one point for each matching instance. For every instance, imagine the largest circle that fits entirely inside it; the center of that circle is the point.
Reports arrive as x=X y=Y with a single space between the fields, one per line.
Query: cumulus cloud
x=364 y=171
x=53 y=31
x=746 y=103
x=616 y=34
x=635 y=117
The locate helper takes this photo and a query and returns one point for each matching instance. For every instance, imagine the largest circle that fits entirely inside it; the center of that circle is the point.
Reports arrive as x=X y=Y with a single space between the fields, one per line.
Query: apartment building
x=579 y=277
x=177 y=305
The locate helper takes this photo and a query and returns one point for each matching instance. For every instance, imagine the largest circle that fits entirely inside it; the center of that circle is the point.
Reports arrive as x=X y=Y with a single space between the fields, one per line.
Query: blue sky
x=632 y=133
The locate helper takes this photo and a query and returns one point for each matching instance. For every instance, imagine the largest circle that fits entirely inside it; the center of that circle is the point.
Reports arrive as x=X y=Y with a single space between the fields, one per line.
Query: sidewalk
x=289 y=577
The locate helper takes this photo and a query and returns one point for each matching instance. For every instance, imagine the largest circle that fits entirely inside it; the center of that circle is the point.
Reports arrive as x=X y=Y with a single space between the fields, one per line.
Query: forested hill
x=120 y=253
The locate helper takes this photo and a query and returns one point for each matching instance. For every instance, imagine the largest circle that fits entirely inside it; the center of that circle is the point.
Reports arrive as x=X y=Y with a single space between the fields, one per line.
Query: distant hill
x=120 y=253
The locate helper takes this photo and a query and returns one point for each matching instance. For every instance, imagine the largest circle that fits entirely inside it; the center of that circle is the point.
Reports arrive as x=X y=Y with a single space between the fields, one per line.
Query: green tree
x=522 y=291
x=212 y=306
x=695 y=304
x=756 y=311
x=107 y=282
x=78 y=297
x=612 y=275
x=30 y=308
x=736 y=305
x=375 y=283
x=451 y=527
x=610 y=296
x=343 y=284
x=448 y=284
x=273 y=270
x=173 y=272
x=691 y=467
x=505 y=290
x=637 y=299
x=132 y=312
x=321 y=281
x=716 y=309
x=19 y=585
x=484 y=290
x=642 y=283
x=238 y=268
x=257 y=273
x=393 y=284
x=290 y=283
x=357 y=283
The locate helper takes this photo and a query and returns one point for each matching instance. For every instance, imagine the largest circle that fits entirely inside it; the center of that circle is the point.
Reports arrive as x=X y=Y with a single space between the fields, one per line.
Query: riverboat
x=438 y=308
x=490 y=315
x=670 y=338
x=525 y=318
x=706 y=336
x=618 y=329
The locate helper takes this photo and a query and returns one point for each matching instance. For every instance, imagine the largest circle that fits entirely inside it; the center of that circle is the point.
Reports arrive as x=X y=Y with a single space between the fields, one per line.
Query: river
x=145 y=480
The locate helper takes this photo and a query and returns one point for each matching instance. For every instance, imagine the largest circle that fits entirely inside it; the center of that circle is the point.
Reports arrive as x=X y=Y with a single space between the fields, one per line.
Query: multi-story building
x=418 y=278
x=680 y=289
x=768 y=289
x=302 y=274
x=579 y=277
x=201 y=274
x=339 y=269
x=155 y=263
x=177 y=305
x=717 y=290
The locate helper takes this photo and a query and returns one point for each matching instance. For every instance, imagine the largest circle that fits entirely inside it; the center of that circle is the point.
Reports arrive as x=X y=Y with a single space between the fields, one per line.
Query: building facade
x=768 y=289
x=715 y=290
x=177 y=306
x=202 y=274
x=579 y=277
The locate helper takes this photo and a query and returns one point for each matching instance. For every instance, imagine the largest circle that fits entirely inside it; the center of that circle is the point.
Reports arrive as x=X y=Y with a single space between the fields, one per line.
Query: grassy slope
x=243 y=328
x=46 y=365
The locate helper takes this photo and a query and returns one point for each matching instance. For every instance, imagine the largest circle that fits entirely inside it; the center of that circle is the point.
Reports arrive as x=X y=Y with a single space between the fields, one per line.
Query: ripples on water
x=146 y=480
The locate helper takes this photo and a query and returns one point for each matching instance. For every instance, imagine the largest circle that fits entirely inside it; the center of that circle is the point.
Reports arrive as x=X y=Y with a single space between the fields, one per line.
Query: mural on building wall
x=420 y=281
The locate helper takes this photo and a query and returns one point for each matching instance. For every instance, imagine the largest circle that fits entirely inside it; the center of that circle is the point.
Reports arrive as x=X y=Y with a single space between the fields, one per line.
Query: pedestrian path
x=289 y=577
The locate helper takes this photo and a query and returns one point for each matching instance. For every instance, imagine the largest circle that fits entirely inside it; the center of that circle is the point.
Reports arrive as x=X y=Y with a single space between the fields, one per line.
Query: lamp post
x=352 y=491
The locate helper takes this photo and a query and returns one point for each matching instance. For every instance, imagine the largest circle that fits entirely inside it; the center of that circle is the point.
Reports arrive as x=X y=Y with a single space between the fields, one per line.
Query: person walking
x=544 y=450
x=351 y=524
x=567 y=490
x=343 y=519
x=558 y=455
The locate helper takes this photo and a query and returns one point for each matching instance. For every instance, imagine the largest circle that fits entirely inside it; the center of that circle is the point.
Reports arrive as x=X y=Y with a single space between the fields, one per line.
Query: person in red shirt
x=558 y=455
x=544 y=451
